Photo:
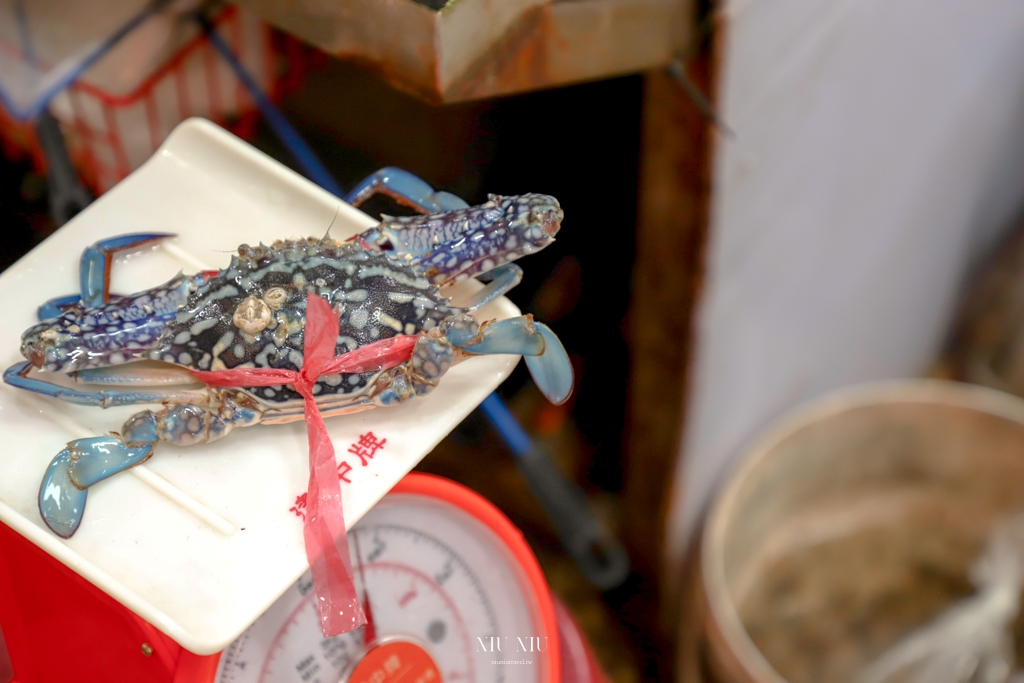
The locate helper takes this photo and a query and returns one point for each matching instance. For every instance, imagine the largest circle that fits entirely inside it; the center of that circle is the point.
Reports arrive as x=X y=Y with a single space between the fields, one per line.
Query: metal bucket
x=849 y=525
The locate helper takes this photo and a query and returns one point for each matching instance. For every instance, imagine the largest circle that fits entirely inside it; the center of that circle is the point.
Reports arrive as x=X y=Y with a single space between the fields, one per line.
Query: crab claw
x=83 y=463
x=61 y=503
x=551 y=370
x=544 y=354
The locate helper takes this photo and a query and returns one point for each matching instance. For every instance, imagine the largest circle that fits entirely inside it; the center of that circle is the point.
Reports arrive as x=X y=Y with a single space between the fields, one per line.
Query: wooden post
x=674 y=199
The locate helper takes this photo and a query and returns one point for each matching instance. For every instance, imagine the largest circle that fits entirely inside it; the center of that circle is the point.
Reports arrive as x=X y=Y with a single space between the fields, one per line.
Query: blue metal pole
x=282 y=127
x=514 y=436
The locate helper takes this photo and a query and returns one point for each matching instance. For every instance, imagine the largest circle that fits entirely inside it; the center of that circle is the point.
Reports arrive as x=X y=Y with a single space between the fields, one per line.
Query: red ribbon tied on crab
x=324 y=525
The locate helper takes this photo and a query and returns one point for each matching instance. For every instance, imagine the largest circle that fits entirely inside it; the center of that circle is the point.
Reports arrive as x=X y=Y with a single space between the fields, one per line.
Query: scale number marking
x=407 y=597
x=444 y=574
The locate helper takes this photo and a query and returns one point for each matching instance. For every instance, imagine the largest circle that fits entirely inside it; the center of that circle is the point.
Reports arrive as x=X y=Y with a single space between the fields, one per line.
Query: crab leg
x=405 y=188
x=94 y=271
x=56 y=306
x=499 y=282
x=137 y=374
x=435 y=351
x=17 y=376
x=85 y=462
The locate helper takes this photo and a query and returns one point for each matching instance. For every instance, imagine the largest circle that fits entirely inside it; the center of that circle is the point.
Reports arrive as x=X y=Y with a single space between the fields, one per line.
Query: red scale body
x=57 y=626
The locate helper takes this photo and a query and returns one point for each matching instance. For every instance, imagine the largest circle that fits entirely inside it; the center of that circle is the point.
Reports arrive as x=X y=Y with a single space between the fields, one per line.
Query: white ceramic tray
x=199 y=541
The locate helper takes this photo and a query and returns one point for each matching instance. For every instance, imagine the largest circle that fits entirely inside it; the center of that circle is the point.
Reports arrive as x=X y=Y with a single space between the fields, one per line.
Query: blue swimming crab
x=387 y=281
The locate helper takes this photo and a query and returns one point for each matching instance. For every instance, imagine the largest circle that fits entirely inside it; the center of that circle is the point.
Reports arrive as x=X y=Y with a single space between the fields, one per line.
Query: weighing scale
x=176 y=559
x=446 y=576
x=449 y=581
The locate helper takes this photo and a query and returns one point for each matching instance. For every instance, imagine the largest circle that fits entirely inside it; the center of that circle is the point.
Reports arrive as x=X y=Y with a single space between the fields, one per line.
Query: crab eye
x=35 y=352
x=384 y=244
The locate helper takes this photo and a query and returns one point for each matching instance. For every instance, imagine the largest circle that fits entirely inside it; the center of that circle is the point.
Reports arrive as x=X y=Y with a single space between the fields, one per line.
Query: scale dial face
x=436 y=578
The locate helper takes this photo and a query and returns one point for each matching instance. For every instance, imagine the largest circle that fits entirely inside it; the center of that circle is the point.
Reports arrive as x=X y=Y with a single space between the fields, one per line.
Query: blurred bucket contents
x=874 y=536
x=971 y=641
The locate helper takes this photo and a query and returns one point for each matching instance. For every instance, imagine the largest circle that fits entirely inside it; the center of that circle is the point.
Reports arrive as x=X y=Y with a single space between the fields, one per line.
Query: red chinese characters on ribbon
x=323 y=518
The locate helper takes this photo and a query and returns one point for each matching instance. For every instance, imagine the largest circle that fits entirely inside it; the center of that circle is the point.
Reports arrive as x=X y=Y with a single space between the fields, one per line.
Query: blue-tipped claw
x=61 y=503
x=551 y=370
x=94 y=269
x=83 y=463
x=544 y=354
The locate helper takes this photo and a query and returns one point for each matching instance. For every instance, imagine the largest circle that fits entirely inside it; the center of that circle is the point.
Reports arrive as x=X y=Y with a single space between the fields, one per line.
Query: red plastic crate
x=111 y=128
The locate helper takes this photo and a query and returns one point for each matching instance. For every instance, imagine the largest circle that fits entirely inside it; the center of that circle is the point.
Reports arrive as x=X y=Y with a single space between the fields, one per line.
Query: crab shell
x=252 y=314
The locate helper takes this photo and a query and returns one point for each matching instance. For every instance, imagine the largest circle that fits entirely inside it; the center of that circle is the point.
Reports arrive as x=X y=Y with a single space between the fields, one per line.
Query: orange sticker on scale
x=395 y=661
